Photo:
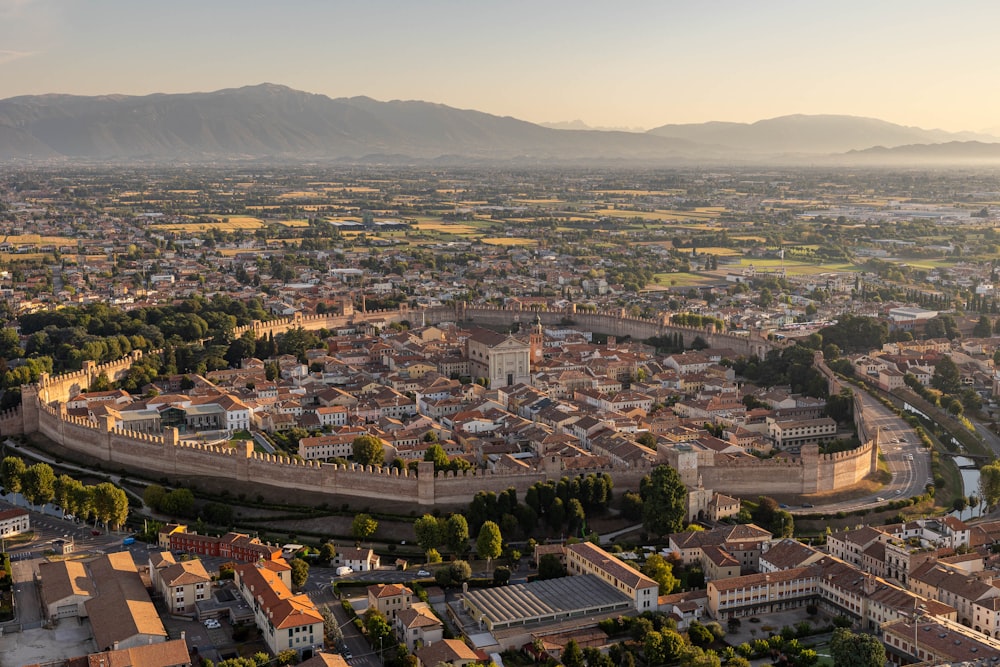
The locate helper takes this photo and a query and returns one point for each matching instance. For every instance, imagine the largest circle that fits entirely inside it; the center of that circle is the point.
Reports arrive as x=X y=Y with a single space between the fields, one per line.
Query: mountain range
x=276 y=122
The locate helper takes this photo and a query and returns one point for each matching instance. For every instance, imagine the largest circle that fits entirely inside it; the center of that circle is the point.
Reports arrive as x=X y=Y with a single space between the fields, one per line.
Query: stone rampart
x=809 y=473
x=43 y=410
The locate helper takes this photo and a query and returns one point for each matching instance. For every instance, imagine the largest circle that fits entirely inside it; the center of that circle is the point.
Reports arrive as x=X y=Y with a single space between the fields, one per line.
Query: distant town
x=376 y=416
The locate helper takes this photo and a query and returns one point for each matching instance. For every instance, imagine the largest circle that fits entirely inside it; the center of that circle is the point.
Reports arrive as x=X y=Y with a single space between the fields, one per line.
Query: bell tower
x=536 y=340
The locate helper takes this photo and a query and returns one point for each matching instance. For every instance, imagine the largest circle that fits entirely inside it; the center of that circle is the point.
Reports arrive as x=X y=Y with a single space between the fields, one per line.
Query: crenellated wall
x=615 y=323
x=170 y=456
x=43 y=410
x=809 y=473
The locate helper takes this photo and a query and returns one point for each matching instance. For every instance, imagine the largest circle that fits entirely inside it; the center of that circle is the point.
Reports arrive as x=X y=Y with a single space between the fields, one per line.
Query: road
x=908 y=461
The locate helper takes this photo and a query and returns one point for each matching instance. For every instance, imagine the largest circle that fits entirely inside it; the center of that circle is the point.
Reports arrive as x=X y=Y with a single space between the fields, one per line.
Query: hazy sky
x=642 y=63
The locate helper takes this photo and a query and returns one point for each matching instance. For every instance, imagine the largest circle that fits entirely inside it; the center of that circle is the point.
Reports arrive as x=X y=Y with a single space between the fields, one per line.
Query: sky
x=637 y=64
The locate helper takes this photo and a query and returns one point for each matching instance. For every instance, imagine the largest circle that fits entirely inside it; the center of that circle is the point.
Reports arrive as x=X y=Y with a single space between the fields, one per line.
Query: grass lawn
x=682 y=279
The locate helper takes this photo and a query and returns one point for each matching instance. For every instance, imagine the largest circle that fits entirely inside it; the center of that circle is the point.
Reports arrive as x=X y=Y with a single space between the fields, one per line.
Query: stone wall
x=43 y=410
x=168 y=455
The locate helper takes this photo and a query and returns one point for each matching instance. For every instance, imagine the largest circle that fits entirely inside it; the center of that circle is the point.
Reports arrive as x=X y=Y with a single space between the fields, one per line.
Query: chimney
x=183 y=634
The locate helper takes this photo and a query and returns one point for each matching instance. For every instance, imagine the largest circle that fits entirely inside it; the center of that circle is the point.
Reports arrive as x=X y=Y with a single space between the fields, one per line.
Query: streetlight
x=916 y=626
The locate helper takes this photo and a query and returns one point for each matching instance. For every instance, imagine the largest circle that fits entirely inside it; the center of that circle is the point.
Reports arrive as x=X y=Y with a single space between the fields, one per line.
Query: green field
x=681 y=279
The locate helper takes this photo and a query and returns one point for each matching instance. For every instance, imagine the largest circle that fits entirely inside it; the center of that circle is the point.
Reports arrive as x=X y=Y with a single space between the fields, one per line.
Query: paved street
x=908 y=461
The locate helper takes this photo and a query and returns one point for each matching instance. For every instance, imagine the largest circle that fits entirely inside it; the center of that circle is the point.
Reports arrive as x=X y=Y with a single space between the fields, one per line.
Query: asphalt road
x=909 y=463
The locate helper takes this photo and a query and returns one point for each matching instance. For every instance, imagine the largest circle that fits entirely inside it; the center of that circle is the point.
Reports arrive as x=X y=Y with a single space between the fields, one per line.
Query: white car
x=212 y=624
x=423 y=573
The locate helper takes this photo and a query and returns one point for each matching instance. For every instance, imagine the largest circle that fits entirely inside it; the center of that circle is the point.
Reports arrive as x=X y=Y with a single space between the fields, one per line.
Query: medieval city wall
x=43 y=410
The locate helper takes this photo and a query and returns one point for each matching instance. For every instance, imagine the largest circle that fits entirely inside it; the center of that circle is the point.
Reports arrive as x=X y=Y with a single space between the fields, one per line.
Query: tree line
x=102 y=502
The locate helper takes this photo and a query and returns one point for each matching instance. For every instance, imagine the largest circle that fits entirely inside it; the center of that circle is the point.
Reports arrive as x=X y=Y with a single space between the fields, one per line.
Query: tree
x=489 y=543
x=860 y=650
x=363 y=526
x=300 y=573
x=327 y=552
x=572 y=656
x=946 y=377
x=428 y=531
x=700 y=635
x=501 y=576
x=549 y=567
x=110 y=504
x=983 y=328
x=661 y=571
x=662 y=647
x=63 y=488
x=39 y=484
x=378 y=628
x=460 y=571
x=11 y=472
x=664 y=500
x=989 y=483
x=153 y=496
x=456 y=533
x=436 y=454
x=179 y=502
x=367 y=450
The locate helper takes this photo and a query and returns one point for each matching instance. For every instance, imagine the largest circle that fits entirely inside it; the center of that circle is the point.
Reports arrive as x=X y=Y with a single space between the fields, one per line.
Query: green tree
x=946 y=377
x=110 y=504
x=700 y=635
x=378 y=628
x=572 y=656
x=664 y=500
x=489 y=543
x=983 y=328
x=662 y=647
x=327 y=552
x=39 y=484
x=858 y=650
x=368 y=451
x=549 y=567
x=456 y=533
x=363 y=526
x=428 y=530
x=661 y=571
x=11 y=473
x=300 y=573
x=63 y=488
x=460 y=571
x=989 y=483
x=179 y=502
x=436 y=454
x=153 y=496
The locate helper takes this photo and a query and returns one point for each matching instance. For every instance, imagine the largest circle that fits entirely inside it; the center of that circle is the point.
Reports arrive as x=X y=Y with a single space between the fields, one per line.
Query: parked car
x=95 y=532
x=423 y=573
x=344 y=569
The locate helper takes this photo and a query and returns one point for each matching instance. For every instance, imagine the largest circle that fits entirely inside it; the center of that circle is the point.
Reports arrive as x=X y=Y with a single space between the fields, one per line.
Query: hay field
x=509 y=241
x=445 y=228
x=234 y=223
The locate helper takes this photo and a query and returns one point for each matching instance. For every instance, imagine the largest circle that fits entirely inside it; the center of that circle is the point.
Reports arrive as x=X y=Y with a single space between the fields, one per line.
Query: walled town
x=380 y=417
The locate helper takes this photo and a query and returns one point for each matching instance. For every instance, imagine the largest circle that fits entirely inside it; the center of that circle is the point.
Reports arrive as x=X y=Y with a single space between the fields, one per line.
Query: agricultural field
x=509 y=241
x=797 y=268
x=681 y=279
x=459 y=228
x=223 y=223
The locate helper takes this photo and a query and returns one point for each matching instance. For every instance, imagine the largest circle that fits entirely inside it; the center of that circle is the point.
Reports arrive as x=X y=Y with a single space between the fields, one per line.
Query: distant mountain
x=952 y=152
x=276 y=121
x=810 y=134
x=580 y=125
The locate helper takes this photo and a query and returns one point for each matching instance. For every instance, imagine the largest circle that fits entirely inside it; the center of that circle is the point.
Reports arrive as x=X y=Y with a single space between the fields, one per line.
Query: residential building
x=286 y=620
